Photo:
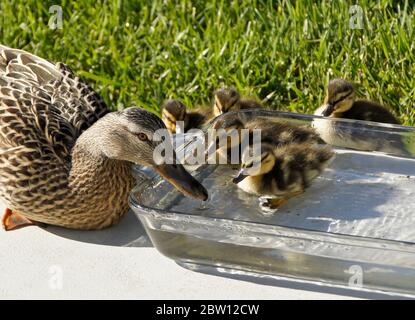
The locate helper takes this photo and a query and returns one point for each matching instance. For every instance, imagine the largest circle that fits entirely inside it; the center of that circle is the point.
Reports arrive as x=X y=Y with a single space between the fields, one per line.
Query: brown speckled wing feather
x=43 y=102
x=43 y=110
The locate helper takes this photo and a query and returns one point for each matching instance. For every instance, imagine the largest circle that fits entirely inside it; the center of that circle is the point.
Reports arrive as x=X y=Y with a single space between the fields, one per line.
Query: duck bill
x=328 y=110
x=182 y=180
x=241 y=176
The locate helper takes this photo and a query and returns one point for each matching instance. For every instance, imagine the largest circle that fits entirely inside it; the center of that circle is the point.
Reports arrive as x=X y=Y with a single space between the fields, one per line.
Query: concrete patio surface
x=118 y=263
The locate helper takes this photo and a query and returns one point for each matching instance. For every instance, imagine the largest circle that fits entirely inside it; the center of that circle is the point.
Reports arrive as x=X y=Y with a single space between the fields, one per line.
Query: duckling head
x=173 y=111
x=226 y=100
x=340 y=98
x=226 y=135
x=255 y=162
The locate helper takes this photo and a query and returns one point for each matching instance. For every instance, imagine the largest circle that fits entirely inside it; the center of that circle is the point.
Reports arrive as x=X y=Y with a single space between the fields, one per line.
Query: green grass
x=284 y=52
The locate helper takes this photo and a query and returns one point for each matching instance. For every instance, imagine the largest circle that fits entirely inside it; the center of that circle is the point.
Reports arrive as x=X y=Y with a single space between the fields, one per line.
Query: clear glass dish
x=353 y=228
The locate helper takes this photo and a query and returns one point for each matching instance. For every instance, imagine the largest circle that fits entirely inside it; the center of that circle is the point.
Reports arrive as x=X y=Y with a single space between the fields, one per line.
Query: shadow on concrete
x=129 y=232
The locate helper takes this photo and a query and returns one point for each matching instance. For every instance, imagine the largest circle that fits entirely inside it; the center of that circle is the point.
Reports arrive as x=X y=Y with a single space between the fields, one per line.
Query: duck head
x=138 y=136
x=339 y=98
x=255 y=161
x=226 y=100
x=227 y=135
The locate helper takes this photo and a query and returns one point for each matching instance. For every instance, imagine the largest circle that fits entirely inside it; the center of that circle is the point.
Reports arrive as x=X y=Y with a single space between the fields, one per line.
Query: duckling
x=173 y=111
x=279 y=173
x=340 y=102
x=228 y=128
x=280 y=133
x=273 y=132
x=229 y=99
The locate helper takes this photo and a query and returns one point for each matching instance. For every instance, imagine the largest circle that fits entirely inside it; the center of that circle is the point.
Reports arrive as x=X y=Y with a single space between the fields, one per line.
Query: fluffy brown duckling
x=341 y=102
x=229 y=138
x=278 y=173
x=226 y=139
x=173 y=111
x=229 y=99
x=280 y=133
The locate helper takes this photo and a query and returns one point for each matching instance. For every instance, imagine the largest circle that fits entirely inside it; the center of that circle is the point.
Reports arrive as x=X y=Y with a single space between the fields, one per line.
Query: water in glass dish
x=360 y=193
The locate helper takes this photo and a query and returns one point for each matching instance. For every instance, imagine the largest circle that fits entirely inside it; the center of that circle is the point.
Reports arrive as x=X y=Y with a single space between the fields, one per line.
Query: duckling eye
x=343 y=97
x=142 y=136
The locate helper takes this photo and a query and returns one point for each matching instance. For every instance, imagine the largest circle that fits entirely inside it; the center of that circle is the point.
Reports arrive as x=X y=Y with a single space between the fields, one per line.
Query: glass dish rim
x=310 y=117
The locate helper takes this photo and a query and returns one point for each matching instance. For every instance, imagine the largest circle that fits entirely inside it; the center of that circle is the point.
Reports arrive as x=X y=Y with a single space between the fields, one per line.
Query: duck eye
x=142 y=136
x=249 y=165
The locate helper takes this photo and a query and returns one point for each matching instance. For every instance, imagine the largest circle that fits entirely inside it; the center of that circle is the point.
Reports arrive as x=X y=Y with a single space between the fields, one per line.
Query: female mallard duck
x=340 y=102
x=228 y=99
x=280 y=172
x=173 y=111
x=65 y=159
